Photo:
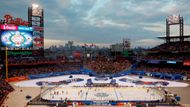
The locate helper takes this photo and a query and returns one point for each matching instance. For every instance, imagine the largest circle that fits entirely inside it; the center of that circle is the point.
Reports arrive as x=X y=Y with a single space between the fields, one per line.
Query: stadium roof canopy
x=174 y=37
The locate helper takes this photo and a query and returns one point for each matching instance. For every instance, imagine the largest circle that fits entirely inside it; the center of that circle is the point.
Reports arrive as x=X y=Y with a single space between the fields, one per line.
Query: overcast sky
x=103 y=22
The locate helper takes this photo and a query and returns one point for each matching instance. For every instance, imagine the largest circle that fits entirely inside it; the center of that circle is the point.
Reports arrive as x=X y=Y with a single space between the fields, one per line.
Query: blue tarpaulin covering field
x=82 y=71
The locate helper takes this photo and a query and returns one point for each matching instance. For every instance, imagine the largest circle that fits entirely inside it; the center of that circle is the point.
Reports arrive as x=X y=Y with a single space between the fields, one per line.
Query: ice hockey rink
x=103 y=94
x=128 y=88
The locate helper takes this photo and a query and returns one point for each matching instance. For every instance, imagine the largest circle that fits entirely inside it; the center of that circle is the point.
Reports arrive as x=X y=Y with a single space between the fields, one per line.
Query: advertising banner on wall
x=186 y=63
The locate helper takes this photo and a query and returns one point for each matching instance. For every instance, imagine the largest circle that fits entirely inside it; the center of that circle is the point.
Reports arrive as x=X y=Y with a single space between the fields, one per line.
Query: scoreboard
x=16 y=37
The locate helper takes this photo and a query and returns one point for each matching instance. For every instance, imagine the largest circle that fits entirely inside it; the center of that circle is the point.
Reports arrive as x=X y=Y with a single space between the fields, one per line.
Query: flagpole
x=6 y=63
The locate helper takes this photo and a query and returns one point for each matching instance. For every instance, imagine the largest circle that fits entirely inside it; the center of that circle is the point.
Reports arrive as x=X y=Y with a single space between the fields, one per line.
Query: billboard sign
x=153 y=61
x=24 y=28
x=12 y=27
x=186 y=63
x=173 y=19
x=16 y=53
x=9 y=27
x=36 y=28
x=38 y=33
x=171 y=62
x=15 y=21
x=16 y=39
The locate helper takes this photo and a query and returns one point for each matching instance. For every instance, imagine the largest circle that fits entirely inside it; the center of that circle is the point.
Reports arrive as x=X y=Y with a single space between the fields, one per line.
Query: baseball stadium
x=88 y=75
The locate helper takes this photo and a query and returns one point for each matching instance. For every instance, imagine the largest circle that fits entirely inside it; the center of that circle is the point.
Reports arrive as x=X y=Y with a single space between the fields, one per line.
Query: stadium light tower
x=36 y=20
x=35 y=6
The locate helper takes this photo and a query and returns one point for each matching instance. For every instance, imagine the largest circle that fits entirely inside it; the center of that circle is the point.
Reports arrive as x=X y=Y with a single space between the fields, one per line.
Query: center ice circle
x=101 y=95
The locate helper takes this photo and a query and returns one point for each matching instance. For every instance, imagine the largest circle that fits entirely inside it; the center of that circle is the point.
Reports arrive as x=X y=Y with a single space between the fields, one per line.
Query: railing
x=47 y=91
x=2 y=100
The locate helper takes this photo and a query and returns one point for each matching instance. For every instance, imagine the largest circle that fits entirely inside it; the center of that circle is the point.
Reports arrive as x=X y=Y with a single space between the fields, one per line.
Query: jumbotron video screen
x=16 y=39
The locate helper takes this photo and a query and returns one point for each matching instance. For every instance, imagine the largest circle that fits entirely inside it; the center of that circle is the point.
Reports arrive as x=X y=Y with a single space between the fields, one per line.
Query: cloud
x=171 y=7
x=155 y=27
x=50 y=42
x=106 y=23
x=96 y=8
x=102 y=21
x=147 y=43
x=161 y=28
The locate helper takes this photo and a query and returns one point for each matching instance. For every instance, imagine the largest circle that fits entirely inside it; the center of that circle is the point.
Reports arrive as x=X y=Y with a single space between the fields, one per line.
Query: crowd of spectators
x=99 y=65
x=42 y=69
x=104 y=65
x=42 y=65
x=173 y=56
x=163 y=69
x=173 y=51
x=173 y=46
x=170 y=51
x=5 y=89
x=29 y=60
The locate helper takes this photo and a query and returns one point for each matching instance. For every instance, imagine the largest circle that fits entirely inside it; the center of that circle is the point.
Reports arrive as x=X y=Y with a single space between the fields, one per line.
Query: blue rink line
x=116 y=94
x=86 y=94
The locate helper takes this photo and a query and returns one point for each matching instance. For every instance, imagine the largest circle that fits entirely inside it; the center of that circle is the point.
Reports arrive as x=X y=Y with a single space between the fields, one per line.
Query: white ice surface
x=103 y=94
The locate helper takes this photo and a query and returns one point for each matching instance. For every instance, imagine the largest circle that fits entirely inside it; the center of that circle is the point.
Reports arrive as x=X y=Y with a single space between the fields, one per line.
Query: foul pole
x=6 y=62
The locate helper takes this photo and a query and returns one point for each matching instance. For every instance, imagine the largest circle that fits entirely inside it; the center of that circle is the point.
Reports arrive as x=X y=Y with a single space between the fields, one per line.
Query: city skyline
x=103 y=22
